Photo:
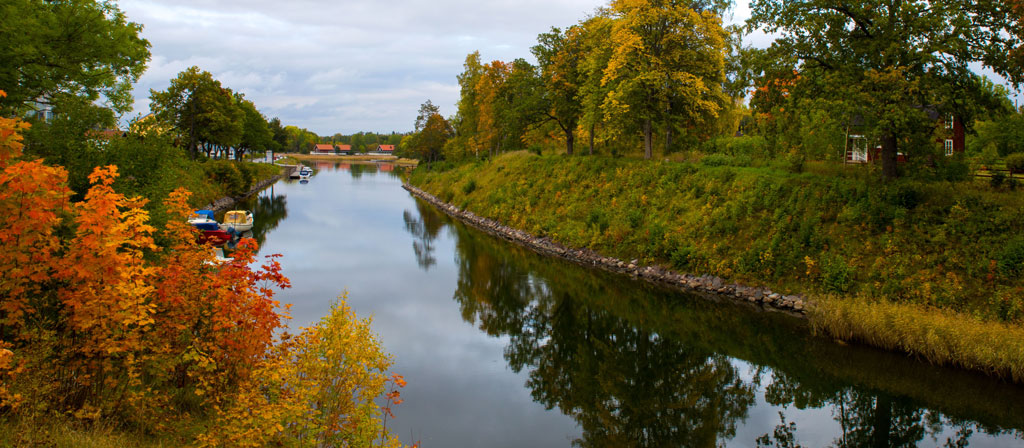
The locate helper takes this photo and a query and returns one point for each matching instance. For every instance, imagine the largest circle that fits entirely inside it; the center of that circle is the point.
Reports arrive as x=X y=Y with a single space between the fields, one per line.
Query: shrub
x=1015 y=163
x=597 y=219
x=997 y=179
x=836 y=275
x=1011 y=259
x=469 y=187
x=726 y=160
x=683 y=257
x=225 y=173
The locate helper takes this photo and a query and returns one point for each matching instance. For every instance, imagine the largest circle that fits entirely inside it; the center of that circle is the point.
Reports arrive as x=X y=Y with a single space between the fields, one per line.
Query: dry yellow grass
x=938 y=336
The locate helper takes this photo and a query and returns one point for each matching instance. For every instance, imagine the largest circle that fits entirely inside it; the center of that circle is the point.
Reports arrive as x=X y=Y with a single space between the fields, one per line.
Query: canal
x=503 y=347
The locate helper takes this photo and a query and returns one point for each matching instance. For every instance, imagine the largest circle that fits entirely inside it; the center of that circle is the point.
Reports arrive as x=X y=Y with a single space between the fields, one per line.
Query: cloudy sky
x=349 y=65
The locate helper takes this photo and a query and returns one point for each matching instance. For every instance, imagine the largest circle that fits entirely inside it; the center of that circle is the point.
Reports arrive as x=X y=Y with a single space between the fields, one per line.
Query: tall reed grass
x=938 y=336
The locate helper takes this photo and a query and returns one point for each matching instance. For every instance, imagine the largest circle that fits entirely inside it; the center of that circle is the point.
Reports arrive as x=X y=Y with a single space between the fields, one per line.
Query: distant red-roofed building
x=323 y=148
x=385 y=149
x=345 y=149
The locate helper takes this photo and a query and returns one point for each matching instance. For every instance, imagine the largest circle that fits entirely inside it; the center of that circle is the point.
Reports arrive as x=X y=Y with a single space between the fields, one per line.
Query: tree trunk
x=570 y=140
x=647 y=139
x=668 y=140
x=889 y=156
x=882 y=426
x=591 y=139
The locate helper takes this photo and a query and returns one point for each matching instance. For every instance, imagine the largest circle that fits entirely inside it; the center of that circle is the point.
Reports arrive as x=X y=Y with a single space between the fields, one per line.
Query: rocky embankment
x=714 y=287
x=227 y=201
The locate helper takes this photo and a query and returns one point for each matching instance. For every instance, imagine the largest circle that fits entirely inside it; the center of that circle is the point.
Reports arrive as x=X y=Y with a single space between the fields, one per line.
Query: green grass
x=829 y=230
x=58 y=432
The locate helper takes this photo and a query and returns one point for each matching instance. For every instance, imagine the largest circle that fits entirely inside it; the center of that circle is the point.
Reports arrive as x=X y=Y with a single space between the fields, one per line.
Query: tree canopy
x=893 y=61
x=52 y=50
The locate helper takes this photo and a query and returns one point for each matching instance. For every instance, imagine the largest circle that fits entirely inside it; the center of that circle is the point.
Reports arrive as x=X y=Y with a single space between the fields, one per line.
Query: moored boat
x=237 y=221
x=204 y=220
x=215 y=237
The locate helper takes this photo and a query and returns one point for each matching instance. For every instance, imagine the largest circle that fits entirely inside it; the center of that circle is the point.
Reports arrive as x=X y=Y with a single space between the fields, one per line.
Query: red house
x=860 y=150
x=345 y=149
x=385 y=149
x=323 y=148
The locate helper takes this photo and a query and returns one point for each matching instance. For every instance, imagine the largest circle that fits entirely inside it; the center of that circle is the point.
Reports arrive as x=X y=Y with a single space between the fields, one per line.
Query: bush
x=226 y=174
x=683 y=257
x=997 y=179
x=726 y=160
x=469 y=187
x=1015 y=163
x=1011 y=259
x=836 y=275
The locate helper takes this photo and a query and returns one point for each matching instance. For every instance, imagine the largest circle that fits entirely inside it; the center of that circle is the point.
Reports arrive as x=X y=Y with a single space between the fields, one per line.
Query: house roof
x=386 y=147
x=344 y=147
x=323 y=147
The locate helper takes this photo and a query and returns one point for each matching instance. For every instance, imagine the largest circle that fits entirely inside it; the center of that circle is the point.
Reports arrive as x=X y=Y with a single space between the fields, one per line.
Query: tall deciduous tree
x=666 y=66
x=560 y=57
x=256 y=134
x=203 y=111
x=431 y=139
x=889 y=59
x=598 y=50
x=81 y=48
x=426 y=110
x=488 y=104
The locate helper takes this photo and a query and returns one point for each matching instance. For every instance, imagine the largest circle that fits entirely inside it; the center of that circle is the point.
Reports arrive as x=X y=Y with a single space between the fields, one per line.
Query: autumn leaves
x=103 y=316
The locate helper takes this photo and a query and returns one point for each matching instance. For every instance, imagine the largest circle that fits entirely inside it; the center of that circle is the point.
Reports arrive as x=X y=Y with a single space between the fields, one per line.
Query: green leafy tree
x=432 y=138
x=201 y=110
x=256 y=134
x=593 y=90
x=888 y=59
x=52 y=50
x=426 y=110
x=666 y=66
x=560 y=57
x=278 y=135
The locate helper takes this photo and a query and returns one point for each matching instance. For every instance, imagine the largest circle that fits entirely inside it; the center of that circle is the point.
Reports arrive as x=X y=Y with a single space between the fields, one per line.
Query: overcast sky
x=344 y=66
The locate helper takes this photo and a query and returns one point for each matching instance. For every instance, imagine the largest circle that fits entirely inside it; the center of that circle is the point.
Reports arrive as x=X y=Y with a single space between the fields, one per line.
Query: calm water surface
x=502 y=347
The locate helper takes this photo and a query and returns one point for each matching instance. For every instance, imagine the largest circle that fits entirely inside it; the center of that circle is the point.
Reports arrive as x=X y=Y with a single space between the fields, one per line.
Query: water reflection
x=425 y=229
x=269 y=210
x=635 y=365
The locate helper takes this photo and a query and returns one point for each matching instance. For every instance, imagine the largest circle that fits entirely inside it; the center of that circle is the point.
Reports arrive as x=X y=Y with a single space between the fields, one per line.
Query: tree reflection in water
x=268 y=210
x=425 y=229
x=635 y=365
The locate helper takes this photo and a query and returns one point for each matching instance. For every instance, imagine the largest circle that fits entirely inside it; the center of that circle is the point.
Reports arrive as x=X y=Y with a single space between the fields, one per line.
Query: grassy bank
x=940 y=262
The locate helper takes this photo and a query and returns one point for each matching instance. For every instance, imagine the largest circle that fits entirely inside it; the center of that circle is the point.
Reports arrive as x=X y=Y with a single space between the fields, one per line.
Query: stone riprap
x=714 y=288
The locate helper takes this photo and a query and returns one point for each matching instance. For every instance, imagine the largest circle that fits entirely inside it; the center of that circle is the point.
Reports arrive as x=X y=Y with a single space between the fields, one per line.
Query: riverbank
x=895 y=266
x=227 y=201
x=708 y=284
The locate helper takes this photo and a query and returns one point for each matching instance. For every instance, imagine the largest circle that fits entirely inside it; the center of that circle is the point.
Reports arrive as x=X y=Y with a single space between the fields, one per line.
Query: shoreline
x=227 y=201
x=796 y=305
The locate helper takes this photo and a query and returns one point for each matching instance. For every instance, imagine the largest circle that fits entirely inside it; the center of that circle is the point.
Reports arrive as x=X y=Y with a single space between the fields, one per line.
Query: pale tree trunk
x=668 y=140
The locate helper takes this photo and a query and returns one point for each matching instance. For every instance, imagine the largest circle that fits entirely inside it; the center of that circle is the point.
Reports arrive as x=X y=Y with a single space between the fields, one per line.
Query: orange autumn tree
x=32 y=199
x=113 y=326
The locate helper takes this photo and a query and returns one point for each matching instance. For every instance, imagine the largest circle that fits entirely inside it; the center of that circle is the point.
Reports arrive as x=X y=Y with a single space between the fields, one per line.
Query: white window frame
x=949 y=147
